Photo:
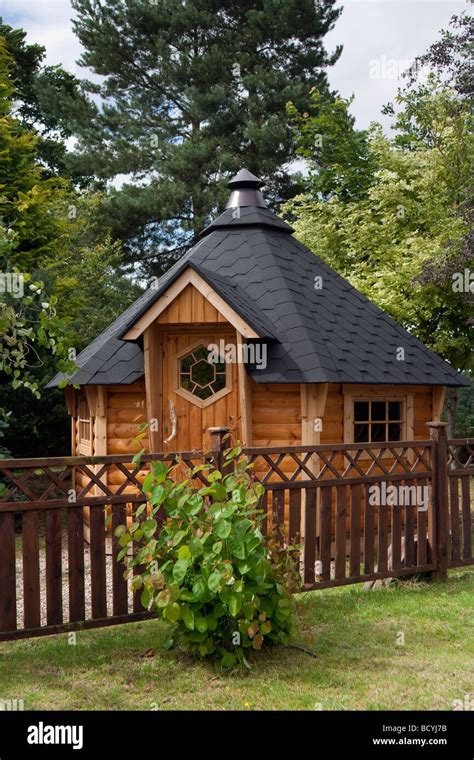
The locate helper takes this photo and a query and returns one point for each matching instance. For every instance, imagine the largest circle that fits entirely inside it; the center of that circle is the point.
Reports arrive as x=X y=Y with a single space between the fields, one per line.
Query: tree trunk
x=451 y=406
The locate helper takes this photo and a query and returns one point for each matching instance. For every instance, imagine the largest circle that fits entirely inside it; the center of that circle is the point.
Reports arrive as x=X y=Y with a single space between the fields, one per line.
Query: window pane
x=202 y=373
x=202 y=393
x=218 y=383
x=394 y=410
x=378 y=410
x=200 y=353
x=361 y=433
x=361 y=411
x=395 y=431
x=378 y=432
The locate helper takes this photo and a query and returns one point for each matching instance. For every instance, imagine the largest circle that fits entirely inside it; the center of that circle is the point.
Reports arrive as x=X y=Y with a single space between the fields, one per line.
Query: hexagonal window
x=200 y=378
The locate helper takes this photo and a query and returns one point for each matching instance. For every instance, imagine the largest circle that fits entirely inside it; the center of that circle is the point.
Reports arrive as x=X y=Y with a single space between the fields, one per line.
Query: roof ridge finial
x=245 y=190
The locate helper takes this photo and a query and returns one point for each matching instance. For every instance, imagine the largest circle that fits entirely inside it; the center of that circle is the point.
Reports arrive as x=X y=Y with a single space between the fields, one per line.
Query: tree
x=191 y=91
x=337 y=154
x=87 y=279
x=37 y=89
x=29 y=234
x=405 y=240
x=61 y=278
x=450 y=57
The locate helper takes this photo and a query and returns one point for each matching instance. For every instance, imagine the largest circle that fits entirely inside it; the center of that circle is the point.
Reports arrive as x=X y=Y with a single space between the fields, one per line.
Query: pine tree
x=192 y=91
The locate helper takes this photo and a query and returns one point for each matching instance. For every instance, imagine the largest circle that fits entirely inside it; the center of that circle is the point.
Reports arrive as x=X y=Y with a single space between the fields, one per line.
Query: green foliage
x=205 y=566
x=38 y=88
x=338 y=155
x=188 y=94
x=87 y=279
x=465 y=413
x=406 y=237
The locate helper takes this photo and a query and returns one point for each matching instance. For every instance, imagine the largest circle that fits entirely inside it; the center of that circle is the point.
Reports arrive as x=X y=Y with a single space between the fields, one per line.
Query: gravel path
x=65 y=581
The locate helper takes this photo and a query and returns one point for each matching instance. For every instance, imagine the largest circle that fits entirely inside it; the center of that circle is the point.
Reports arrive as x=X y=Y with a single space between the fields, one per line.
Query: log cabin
x=252 y=331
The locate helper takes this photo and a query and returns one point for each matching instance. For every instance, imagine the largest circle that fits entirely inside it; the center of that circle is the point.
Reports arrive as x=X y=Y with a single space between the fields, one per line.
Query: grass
x=362 y=661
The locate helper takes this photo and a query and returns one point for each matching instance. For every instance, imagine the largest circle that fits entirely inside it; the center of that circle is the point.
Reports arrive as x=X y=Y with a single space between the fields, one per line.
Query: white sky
x=378 y=36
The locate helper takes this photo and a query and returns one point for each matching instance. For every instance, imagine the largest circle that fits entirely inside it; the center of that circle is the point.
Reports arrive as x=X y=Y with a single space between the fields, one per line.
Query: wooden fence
x=341 y=503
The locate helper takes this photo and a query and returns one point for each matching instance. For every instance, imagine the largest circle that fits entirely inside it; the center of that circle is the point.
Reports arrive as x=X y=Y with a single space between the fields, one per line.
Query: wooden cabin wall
x=126 y=411
x=423 y=411
x=276 y=414
x=190 y=308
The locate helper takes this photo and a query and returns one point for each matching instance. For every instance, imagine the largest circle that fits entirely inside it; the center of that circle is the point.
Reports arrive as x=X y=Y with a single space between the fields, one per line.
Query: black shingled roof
x=250 y=258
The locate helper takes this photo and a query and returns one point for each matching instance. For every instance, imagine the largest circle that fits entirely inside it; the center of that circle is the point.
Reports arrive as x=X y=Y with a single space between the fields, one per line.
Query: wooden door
x=203 y=393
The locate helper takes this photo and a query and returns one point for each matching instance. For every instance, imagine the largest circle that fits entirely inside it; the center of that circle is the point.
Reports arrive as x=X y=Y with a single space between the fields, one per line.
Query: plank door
x=203 y=394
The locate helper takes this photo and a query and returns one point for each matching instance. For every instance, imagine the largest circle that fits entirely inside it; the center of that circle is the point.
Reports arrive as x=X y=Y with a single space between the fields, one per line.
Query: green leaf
x=215 y=582
x=223 y=528
x=163 y=598
x=136 y=459
x=243 y=526
x=172 y=612
x=200 y=623
x=157 y=496
x=179 y=570
x=184 y=552
x=237 y=547
x=178 y=536
x=196 y=547
x=199 y=588
x=228 y=660
x=235 y=604
x=160 y=471
x=211 y=621
x=188 y=617
x=148 y=482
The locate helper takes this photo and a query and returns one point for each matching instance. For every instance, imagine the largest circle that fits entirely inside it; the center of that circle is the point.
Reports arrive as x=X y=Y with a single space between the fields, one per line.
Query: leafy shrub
x=204 y=564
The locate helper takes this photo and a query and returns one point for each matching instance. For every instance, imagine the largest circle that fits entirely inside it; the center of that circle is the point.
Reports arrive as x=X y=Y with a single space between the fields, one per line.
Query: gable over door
x=179 y=382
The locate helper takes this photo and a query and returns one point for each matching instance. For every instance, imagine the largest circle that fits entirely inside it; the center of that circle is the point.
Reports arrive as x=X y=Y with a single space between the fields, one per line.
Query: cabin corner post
x=313 y=405
x=438 y=396
x=245 y=393
x=152 y=354
x=439 y=534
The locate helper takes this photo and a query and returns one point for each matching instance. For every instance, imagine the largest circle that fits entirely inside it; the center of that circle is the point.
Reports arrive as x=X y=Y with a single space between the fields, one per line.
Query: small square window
x=377 y=421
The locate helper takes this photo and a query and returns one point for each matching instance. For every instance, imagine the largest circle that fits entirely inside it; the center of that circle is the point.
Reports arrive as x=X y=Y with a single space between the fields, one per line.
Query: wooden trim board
x=190 y=277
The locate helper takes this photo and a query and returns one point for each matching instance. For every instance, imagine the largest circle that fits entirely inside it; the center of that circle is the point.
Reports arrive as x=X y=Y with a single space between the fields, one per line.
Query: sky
x=379 y=38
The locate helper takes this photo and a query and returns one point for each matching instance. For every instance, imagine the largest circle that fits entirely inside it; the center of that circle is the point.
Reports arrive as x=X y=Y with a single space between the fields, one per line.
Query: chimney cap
x=244 y=178
x=245 y=190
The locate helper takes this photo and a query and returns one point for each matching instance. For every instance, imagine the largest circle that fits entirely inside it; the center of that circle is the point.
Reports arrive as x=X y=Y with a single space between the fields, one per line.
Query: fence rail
x=332 y=500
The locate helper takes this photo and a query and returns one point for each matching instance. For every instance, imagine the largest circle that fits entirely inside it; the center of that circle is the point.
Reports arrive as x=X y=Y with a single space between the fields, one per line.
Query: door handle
x=173 y=420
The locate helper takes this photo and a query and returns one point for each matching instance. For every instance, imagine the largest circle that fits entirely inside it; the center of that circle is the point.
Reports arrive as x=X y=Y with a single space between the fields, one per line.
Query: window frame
x=201 y=403
x=369 y=422
x=351 y=396
x=84 y=445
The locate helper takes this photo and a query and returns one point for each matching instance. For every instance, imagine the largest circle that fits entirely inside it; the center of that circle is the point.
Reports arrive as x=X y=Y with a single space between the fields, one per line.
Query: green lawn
x=362 y=662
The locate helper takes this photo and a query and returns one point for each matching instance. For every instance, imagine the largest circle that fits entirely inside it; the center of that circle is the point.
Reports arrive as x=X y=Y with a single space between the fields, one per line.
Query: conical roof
x=317 y=327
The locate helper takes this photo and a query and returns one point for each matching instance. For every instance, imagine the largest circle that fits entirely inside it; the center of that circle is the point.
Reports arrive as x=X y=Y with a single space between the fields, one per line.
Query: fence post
x=219 y=442
x=440 y=496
